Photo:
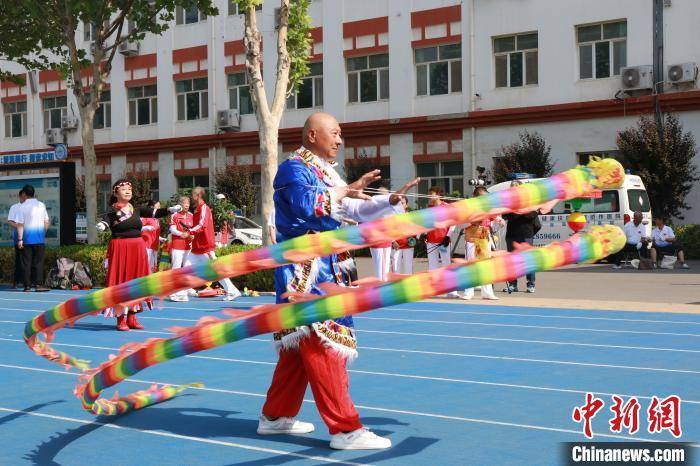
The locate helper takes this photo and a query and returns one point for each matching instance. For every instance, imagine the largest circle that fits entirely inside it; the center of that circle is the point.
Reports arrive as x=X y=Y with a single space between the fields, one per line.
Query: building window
x=15 y=119
x=515 y=59
x=103 y=114
x=233 y=8
x=310 y=93
x=447 y=175
x=192 y=99
x=239 y=93
x=55 y=108
x=368 y=78
x=602 y=49
x=189 y=15
x=104 y=192
x=143 y=105
x=190 y=181
x=438 y=69
x=155 y=191
x=89 y=31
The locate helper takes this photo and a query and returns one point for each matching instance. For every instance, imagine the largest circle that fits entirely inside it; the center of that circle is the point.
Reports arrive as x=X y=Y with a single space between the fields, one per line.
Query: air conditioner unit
x=681 y=73
x=228 y=120
x=69 y=122
x=54 y=136
x=129 y=48
x=637 y=77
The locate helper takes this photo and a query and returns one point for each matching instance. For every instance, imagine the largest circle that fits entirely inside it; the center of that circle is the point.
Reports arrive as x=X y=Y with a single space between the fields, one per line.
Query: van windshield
x=639 y=200
x=608 y=202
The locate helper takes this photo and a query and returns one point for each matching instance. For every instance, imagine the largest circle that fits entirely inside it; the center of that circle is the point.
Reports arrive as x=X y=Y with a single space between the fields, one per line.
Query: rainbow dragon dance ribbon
x=134 y=357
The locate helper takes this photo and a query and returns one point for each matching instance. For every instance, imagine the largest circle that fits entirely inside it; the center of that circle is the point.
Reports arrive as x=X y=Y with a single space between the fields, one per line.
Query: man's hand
x=355 y=189
x=396 y=197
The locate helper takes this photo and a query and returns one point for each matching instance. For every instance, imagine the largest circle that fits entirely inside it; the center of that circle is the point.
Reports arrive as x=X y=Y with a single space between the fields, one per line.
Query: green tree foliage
x=41 y=35
x=141 y=185
x=237 y=186
x=293 y=46
x=663 y=156
x=529 y=155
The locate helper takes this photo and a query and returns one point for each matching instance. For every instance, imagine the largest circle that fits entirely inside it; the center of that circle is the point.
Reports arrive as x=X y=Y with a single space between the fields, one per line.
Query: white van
x=614 y=206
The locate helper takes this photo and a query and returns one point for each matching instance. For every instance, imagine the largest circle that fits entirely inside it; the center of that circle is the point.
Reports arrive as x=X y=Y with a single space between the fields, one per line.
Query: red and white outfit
x=402 y=257
x=180 y=244
x=204 y=244
x=150 y=233
x=438 y=255
x=381 y=258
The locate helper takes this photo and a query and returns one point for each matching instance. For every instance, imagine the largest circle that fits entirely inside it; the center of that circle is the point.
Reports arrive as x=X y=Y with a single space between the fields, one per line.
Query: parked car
x=246 y=231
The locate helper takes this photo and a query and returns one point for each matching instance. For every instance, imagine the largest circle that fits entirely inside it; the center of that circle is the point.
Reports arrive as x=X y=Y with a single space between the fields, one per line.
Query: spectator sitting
x=665 y=243
x=636 y=241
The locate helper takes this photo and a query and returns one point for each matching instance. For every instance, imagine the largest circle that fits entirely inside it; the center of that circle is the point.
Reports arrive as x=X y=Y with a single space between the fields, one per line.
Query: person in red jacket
x=438 y=240
x=402 y=252
x=150 y=233
x=204 y=242
x=181 y=243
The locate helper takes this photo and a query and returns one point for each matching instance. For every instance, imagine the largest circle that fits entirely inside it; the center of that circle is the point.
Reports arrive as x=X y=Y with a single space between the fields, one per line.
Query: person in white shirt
x=665 y=243
x=637 y=241
x=32 y=222
x=12 y=220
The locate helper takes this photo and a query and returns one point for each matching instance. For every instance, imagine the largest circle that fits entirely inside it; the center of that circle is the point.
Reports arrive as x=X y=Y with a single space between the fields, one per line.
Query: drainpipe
x=472 y=83
x=658 y=57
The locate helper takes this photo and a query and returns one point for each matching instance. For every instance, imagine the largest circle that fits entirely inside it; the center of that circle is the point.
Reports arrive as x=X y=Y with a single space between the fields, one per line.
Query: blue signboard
x=58 y=154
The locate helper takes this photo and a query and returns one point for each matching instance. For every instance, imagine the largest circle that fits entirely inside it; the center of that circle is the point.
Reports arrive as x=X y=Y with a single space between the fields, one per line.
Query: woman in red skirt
x=126 y=253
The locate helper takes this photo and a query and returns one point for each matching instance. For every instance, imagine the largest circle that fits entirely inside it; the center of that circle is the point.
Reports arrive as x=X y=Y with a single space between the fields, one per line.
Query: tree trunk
x=268 y=167
x=87 y=116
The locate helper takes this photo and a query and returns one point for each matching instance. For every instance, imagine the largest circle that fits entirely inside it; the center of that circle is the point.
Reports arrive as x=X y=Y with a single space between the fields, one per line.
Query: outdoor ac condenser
x=54 y=136
x=681 y=73
x=228 y=120
x=637 y=77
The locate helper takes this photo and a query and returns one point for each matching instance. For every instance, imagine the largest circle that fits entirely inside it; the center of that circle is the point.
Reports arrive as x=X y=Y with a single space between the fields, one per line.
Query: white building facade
x=429 y=88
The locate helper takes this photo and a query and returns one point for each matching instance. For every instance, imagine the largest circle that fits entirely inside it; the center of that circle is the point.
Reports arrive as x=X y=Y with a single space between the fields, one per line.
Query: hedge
x=93 y=256
x=689 y=238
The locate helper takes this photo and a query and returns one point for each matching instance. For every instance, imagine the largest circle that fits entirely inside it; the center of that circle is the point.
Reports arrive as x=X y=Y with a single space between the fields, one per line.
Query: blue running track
x=450 y=384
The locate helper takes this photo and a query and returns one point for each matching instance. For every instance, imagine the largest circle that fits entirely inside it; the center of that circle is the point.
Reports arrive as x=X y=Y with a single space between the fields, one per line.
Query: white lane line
x=544 y=327
x=463 y=337
x=435 y=311
x=463 y=355
x=371 y=408
x=477 y=324
x=543 y=316
x=192 y=438
x=516 y=340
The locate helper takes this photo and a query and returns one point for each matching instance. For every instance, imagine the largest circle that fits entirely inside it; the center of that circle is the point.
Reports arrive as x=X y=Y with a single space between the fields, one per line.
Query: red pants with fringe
x=323 y=369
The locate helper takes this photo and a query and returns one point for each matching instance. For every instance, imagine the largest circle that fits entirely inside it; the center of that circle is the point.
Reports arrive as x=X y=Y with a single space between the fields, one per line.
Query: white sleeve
x=670 y=233
x=175 y=232
x=362 y=210
x=19 y=216
x=12 y=214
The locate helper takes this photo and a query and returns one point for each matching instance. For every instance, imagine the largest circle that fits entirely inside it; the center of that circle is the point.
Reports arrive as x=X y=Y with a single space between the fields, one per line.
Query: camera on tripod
x=481 y=179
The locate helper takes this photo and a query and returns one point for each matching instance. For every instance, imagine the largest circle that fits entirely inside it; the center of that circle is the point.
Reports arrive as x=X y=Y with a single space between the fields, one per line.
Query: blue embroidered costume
x=305 y=204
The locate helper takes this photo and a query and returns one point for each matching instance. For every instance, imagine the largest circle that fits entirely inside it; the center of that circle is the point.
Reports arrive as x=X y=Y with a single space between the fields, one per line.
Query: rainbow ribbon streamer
x=212 y=332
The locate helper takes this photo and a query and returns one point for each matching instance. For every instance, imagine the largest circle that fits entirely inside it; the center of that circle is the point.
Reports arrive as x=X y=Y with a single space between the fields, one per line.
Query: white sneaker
x=360 y=439
x=468 y=294
x=490 y=297
x=179 y=298
x=617 y=267
x=283 y=425
x=453 y=294
x=232 y=296
x=685 y=266
x=191 y=292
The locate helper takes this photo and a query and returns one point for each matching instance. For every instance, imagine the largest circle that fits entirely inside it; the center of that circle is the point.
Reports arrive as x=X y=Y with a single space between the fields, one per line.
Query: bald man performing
x=310 y=197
